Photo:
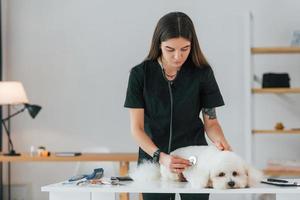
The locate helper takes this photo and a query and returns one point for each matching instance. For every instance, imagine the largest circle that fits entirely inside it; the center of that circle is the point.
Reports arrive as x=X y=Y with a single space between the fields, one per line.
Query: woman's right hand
x=174 y=163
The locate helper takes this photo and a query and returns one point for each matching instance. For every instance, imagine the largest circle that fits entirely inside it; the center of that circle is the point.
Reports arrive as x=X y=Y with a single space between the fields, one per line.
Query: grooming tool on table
x=277 y=180
x=280 y=182
x=83 y=182
x=121 y=178
x=97 y=174
x=76 y=178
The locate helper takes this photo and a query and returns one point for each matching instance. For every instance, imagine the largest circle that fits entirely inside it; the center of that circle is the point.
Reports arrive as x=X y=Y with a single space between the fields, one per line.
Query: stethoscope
x=170 y=82
x=192 y=159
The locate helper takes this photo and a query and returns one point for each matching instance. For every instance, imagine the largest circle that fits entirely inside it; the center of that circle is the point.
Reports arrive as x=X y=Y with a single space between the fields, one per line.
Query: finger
x=179 y=166
x=226 y=146
x=178 y=160
x=219 y=145
x=229 y=148
x=177 y=171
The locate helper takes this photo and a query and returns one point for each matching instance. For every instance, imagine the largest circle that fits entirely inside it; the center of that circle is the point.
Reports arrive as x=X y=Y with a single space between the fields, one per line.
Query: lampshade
x=33 y=109
x=12 y=93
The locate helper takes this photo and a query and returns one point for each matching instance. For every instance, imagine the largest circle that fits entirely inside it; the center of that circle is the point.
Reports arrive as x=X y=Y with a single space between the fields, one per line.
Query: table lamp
x=13 y=93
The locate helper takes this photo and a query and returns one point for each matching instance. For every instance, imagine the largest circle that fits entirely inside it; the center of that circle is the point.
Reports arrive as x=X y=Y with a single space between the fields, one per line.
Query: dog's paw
x=254 y=176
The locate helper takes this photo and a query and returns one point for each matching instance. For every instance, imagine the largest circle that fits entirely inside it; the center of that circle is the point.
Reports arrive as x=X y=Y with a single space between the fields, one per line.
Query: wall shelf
x=274 y=50
x=275 y=90
x=291 y=131
x=270 y=170
x=281 y=171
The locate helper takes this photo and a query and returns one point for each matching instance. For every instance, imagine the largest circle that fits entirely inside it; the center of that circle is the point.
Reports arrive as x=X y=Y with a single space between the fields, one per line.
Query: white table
x=61 y=191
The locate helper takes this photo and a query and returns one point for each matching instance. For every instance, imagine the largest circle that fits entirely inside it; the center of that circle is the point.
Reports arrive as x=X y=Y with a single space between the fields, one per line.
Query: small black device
x=121 y=178
x=156 y=155
x=280 y=182
x=277 y=180
x=276 y=80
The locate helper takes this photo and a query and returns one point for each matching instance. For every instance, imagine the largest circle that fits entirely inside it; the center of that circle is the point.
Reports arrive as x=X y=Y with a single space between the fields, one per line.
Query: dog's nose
x=231 y=183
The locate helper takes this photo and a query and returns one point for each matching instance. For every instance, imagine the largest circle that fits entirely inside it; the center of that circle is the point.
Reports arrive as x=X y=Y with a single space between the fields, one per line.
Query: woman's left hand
x=223 y=145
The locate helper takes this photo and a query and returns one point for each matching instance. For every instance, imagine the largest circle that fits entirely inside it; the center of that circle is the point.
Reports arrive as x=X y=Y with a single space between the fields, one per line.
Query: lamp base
x=12 y=153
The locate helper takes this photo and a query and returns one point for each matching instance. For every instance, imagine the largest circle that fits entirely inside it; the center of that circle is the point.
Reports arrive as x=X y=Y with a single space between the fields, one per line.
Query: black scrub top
x=193 y=88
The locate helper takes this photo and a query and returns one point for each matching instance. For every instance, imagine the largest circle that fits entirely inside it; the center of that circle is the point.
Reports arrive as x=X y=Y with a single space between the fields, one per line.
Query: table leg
x=124 y=167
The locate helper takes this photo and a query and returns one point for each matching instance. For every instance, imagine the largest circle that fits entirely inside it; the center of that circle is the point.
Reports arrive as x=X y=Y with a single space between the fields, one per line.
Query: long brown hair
x=174 y=25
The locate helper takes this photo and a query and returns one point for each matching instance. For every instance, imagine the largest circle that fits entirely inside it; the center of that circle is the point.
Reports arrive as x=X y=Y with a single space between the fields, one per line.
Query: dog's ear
x=254 y=176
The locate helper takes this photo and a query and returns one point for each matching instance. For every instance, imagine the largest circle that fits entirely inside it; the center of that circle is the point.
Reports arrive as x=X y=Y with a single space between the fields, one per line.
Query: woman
x=166 y=93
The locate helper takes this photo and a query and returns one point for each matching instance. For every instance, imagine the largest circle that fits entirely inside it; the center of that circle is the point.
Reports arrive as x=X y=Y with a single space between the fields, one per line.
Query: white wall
x=73 y=57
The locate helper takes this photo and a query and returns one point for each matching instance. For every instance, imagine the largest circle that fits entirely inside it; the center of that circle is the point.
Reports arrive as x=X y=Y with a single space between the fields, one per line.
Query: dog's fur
x=214 y=168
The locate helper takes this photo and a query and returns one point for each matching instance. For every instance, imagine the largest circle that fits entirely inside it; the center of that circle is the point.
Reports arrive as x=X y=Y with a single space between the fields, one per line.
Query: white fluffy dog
x=214 y=168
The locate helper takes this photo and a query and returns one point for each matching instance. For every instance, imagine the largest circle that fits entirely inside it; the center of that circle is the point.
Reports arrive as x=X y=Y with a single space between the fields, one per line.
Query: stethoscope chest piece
x=193 y=160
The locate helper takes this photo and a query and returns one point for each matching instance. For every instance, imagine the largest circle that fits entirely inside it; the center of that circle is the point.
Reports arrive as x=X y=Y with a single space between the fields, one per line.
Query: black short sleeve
x=134 y=95
x=210 y=94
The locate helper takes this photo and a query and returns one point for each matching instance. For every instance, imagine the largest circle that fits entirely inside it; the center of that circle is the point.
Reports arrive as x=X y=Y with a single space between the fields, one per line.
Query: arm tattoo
x=211 y=112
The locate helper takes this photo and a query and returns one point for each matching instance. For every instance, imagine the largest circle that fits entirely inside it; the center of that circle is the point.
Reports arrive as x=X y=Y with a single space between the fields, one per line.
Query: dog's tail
x=147 y=171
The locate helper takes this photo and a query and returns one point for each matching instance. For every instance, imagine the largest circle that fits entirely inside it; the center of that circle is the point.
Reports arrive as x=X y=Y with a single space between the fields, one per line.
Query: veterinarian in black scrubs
x=167 y=92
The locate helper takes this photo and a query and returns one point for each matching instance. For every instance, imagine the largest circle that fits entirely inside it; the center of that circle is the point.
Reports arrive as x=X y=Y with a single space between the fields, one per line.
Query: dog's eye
x=221 y=174
x=234 y=173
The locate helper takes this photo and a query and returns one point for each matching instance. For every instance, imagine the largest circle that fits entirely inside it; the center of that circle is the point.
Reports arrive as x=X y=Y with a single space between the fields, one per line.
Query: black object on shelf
x=276 y=80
